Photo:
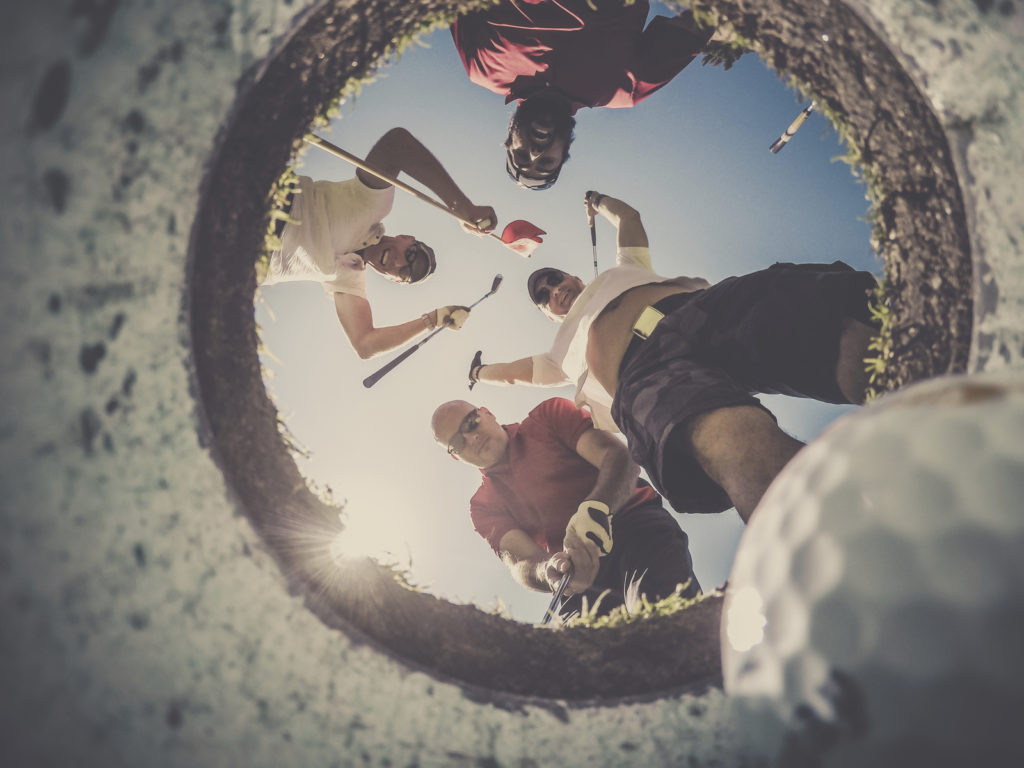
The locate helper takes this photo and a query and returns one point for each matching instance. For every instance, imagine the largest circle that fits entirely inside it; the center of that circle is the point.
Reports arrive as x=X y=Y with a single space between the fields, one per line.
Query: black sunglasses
x=541 y=289
x=418 y=263
x=467 y=427
x=528 y=182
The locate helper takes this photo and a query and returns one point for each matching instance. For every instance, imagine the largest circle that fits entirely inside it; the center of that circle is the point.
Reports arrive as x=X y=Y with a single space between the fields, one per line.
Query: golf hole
x=854 y=74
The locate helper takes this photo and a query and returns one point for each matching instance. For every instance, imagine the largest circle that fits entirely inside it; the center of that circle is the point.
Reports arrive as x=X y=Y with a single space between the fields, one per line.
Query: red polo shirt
x=599 y=58
x=542 y=480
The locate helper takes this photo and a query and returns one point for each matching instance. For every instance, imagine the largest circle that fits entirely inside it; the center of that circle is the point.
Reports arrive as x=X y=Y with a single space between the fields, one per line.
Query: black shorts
x=774 y=332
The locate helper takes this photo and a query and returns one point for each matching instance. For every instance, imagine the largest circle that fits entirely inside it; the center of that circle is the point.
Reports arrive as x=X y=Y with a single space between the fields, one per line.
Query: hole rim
x=281 y=98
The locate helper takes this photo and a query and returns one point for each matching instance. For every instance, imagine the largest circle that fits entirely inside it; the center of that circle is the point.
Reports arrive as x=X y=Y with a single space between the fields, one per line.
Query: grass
x=881 y=344
x=349 y=91
x=876 y=193
x=636 y=608
x=276 y=200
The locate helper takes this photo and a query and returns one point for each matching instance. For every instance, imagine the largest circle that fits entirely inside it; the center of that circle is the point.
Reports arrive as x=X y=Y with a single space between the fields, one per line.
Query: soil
x=921 y=233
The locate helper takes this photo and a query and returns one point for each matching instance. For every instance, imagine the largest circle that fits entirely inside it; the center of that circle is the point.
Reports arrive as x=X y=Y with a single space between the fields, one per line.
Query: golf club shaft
x=489 y=293
x=377 y=375
x=562 y=584
x=593 y=242
x=780 y=142
x=327 y=146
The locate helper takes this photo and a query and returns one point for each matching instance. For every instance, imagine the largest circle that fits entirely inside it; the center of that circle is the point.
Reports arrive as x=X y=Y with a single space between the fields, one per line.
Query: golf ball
x=875 y=610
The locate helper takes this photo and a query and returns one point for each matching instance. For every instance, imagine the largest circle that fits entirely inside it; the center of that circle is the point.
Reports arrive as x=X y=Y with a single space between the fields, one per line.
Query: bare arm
x=516 y=372
x=625 y=218
x=525 y=559
x=398 y=150
x=616 y=471
x=357 y=321
x=616 y=481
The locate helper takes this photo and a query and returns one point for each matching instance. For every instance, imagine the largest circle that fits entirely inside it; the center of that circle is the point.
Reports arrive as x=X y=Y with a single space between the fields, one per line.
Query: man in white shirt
x=673 y=362
x=335 y=232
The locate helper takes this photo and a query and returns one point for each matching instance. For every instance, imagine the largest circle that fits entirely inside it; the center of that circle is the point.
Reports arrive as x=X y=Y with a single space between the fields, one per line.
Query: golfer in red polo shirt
x=554 y=489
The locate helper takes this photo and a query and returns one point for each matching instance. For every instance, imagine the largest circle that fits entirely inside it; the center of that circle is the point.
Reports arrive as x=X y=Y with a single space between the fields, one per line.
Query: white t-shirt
x=334 y=219
x=566 y=361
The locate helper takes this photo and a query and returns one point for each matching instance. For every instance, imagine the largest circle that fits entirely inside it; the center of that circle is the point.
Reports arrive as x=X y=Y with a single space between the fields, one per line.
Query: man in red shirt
x=555 y=490
x=556 y=56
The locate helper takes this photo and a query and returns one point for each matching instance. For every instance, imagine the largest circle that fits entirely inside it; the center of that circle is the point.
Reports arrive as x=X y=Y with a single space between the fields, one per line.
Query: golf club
x=781 y=142
x=593 y=242
x=373 y=378
x=562 y=584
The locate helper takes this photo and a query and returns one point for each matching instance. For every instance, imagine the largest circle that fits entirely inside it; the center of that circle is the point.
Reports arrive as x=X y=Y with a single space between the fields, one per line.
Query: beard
x=544 y=108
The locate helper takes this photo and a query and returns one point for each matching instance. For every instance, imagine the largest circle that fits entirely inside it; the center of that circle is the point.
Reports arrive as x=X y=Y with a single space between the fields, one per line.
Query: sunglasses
x=468 y=426
x=417 y=263
x=529 y=182
x=542 y=288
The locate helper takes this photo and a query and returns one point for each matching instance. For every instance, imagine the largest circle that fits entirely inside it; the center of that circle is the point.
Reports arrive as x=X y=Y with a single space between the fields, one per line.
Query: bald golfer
x=673 y=362
x=555 y=490
x=335 y=233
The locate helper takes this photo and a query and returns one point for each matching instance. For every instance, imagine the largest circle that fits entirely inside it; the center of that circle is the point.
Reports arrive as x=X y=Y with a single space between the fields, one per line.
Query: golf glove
x=593 y=522
x=474 y=368
x=452 y=316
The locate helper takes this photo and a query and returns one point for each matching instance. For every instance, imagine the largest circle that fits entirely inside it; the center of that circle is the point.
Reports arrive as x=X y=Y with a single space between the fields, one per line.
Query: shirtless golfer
x=335 y=232
x=673 y=362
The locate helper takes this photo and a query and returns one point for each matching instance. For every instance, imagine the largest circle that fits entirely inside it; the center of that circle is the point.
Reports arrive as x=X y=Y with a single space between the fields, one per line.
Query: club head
x=496 y=283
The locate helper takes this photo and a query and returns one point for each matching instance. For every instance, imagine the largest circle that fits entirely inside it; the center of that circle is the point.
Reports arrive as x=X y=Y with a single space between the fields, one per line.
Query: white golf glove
x=452 y=316
x=592 y=522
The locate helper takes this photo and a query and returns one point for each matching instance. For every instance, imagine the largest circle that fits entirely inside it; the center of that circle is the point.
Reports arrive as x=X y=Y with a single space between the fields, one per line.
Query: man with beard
x=333 y=232
x=556 y=56
x=674 y=362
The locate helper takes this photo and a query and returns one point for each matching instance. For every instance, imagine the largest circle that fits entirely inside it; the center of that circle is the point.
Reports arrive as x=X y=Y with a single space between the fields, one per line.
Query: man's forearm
x=625 y=218
x=529 y=573
x=427 y=169
x=613 y=209
x=377 y=341
x=516 y=372
x=399 y=151
x=616 y=480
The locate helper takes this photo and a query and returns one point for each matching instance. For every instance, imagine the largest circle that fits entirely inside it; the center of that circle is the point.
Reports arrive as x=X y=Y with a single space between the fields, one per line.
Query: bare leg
x=742 y=449
x=853 y=348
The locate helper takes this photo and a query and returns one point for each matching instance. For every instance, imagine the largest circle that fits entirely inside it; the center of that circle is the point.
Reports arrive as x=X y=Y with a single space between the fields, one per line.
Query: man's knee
x=740 y=429
x=851 y=375
x=741 y=449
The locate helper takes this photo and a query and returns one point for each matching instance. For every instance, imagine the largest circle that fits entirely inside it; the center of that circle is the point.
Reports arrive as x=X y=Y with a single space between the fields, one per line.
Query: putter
x=562 y=584
x=373 y=378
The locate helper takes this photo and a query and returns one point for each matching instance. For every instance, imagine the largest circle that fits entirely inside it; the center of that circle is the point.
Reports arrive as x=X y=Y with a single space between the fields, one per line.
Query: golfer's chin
x=564 y=306
x=491 y=453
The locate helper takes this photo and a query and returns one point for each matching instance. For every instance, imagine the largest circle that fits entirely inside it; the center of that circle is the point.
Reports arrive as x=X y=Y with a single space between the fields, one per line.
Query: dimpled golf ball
x=875 y=611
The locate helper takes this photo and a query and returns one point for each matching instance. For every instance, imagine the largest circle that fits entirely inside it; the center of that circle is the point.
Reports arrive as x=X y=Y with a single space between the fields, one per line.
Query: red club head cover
x=522 y=236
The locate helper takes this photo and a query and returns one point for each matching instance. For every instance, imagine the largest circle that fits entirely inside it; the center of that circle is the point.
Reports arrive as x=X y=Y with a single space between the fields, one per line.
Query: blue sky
x=693 y=159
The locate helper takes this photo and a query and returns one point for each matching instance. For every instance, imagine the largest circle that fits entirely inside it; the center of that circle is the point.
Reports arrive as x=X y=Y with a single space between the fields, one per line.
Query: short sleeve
x=546 y=372
x=637 y=256
x=490 y=519
x=566 y=422
x=350 y=276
